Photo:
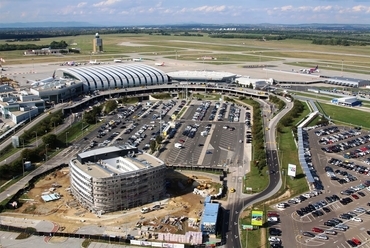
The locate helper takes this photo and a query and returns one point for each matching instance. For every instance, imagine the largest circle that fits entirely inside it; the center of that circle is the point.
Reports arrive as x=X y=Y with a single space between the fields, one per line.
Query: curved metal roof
x=103 y=77
x=201 y=76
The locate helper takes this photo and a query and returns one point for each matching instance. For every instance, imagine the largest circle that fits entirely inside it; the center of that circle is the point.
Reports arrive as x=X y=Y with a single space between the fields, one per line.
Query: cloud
x=322 y=8
x=82 y=4
x=210 y=8
x=286 y=8
x=106 y=3
x=360 y=8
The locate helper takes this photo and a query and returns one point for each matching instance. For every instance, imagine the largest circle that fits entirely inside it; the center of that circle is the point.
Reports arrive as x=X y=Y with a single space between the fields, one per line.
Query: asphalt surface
x=237 y=204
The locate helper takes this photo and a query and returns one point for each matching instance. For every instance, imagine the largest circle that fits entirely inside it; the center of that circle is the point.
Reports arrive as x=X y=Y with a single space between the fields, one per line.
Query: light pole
x=67 y=139
x=36 y=138
x=23 y=166
x=46 y=152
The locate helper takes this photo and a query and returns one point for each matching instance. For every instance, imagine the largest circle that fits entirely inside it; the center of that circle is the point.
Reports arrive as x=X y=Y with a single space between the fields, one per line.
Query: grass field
x=288 y=154
x=350 y=116
x=227 y=51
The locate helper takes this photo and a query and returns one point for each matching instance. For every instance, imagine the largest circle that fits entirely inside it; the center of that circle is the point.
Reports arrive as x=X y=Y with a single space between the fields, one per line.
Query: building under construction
x=116 y=178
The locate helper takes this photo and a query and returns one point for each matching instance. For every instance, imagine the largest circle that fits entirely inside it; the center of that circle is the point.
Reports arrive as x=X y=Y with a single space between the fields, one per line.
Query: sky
x=157 y=12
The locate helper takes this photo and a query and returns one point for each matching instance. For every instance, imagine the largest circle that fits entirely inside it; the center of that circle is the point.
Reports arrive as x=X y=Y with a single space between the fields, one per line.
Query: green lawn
x=192 y=47
x=348 y=115
x=314 y=96
x=289 y=155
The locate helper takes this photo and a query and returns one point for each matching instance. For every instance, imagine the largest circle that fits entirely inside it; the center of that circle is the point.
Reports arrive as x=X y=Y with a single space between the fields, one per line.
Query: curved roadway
x=239 y=204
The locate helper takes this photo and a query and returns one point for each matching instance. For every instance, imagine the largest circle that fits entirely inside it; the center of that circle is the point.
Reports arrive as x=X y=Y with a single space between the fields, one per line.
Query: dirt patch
x=179 y=213
x=284 y=196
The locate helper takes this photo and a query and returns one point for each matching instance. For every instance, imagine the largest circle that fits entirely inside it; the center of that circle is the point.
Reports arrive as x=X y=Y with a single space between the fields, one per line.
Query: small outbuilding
x=350 y=101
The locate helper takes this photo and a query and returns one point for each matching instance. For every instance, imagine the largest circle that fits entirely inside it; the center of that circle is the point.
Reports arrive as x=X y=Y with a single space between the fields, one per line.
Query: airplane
x=94 y=62
x=117 y=60
x=159 y=64
x=137 y=60
x=310 y=70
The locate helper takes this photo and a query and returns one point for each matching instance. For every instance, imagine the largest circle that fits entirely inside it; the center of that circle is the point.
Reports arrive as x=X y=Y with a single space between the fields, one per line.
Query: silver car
x=322 y=236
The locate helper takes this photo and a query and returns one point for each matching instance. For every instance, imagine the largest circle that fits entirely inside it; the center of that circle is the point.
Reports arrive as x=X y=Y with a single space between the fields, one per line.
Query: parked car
x=322 y=236
x=317 y=230
x=332 y=232
x=356 y=219
x=308 y=234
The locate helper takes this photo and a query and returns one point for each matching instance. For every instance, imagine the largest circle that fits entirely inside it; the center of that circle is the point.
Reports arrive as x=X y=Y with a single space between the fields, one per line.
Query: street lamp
x=23 y=166
x=46 y=152
x=36 y=138
x=66 y=139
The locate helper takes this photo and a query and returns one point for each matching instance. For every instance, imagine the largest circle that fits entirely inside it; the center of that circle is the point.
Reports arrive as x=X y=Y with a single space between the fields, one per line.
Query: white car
x=274 y=239
x=272 y=219
x=356 y=219
x=359 y=210
x=322 y=236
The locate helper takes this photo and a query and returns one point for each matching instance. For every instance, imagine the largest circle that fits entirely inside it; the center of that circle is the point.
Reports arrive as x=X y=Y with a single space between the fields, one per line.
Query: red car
x=355 y=196
x=272 y=214
x=182 y=141
x=317 y=230
x=356 y=241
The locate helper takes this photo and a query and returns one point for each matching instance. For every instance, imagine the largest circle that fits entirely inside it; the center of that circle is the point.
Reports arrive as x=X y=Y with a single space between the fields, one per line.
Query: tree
x=159 y=139
x=50 y=139
x=110 y=106
x=153 y=146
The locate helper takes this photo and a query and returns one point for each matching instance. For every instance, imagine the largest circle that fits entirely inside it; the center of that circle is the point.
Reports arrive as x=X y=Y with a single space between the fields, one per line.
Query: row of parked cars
x=201 y=111
x=345 y=145
x=338 y=137
x=318 y=208
x=307 y=161
x=138 y=137
x=234 y=113
x=125 y=113
x=248 y=119
x=167 y=107
x=350 y=166
x=274 y=240
x=298 y=199
x=190 y=131
x=327 y=131
x=335 y=175
x=179 y=108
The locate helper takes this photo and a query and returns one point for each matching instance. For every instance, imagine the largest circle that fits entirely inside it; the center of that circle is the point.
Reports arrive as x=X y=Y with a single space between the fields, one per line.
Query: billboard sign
x=292 y=170
x=247 y=227
x=257 y=218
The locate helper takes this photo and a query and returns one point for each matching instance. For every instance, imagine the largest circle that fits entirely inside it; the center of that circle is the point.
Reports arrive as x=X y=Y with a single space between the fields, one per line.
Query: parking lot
x=338 y=214
x=216 y=139
x=211 y=133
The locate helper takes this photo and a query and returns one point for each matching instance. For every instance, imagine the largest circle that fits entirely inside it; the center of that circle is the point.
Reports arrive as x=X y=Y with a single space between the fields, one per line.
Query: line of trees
x=53 y=45
x=259 y=153
x=43 y=132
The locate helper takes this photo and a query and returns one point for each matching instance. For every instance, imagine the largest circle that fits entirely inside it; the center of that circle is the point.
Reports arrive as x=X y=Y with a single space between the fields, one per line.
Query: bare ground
x=70 y=216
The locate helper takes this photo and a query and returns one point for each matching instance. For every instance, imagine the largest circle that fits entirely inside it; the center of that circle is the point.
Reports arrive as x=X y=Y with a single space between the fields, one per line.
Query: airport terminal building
x=70 y=82
x=116 y=178
x=347 y=82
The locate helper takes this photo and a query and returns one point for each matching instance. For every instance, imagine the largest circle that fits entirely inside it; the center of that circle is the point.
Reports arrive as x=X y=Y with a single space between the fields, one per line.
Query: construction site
x=178 y=214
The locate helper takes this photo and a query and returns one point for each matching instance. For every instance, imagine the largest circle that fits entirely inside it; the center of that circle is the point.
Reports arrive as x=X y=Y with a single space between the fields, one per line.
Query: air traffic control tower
x=97 y=44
